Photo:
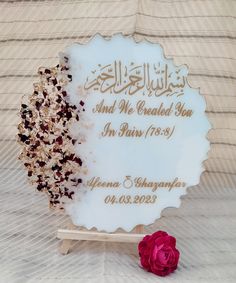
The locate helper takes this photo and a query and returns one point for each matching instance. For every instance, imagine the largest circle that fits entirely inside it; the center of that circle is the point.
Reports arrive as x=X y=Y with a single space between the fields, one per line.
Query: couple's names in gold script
x=136 y=182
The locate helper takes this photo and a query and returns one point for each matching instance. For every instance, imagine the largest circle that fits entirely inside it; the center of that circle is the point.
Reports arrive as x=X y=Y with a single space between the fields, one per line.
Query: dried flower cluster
x=48 y=152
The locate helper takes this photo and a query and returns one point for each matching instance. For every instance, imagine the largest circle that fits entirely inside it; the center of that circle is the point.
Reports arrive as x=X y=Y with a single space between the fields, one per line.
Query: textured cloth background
x=201 y=34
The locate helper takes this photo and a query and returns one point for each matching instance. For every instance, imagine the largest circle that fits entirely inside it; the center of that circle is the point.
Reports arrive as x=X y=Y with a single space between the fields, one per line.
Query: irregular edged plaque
x=136 y=133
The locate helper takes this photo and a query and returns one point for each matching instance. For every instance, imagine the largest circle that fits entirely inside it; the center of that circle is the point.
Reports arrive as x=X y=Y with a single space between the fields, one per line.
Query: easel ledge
x=69 y=235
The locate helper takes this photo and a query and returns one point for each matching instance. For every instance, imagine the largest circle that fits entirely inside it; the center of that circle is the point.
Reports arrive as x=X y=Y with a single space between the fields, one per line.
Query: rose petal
x=158 y=253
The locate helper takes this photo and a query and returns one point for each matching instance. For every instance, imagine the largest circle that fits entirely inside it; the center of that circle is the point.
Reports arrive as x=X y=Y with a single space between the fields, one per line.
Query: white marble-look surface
x=133 y=74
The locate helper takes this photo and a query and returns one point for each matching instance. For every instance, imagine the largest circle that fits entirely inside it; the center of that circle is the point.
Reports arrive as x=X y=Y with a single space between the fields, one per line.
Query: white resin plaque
x=142 y=136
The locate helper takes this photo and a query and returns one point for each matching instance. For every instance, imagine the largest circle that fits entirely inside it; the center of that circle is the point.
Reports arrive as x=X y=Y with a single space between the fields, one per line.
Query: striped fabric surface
x=201 y=34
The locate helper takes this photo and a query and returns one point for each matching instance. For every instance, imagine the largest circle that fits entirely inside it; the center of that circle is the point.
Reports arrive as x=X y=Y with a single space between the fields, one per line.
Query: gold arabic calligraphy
x=130 y=79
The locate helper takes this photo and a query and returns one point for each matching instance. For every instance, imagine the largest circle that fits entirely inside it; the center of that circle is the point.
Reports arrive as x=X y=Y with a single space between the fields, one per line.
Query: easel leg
x=65 y=246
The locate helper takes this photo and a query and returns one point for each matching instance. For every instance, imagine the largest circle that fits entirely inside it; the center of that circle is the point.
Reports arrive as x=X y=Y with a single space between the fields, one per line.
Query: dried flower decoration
x=47 y=146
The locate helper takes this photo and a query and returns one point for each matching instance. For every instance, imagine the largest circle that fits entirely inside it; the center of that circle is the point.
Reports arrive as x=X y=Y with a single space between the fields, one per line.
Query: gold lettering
x=130 y=79
x=125 y=131
x=108 y=131
x=158 y=111
x=96 y=182
x=125 y=107
x=181 y=111
x=144 y=183
x=101 y=108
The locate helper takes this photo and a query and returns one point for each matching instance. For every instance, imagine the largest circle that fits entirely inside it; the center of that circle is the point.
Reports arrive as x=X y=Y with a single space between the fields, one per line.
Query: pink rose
x=158 y=253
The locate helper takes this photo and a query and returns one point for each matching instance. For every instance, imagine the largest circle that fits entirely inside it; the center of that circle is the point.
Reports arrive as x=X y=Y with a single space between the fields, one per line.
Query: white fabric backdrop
x=198 y=33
